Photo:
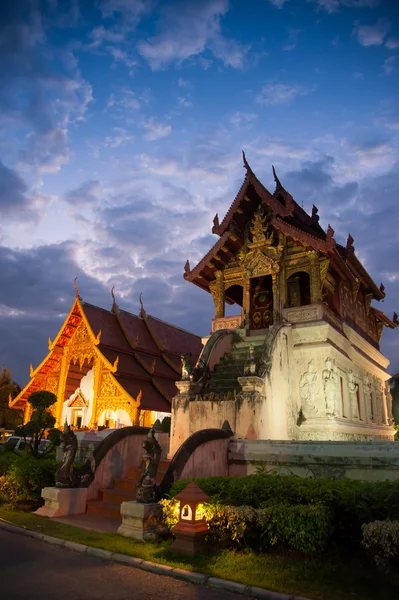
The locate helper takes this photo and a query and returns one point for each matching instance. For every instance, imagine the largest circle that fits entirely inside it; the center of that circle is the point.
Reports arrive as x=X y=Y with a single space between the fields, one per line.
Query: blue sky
x=121 y=129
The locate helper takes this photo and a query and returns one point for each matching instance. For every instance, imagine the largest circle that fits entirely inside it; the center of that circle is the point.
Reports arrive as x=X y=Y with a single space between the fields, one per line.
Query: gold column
x=97 y=375
x=61 y=388
x=27 y=413
x=276 y=296
x=219 y=295
x=315 y=279
x=246 y=298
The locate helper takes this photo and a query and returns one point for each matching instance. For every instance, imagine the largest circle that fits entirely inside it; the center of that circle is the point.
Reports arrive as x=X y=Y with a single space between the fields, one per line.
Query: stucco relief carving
x=368 y=398
x=388 y=399
x=379 y=399
x=330 y=381
x=304 y=314
x=308 y=389
x=353 y=389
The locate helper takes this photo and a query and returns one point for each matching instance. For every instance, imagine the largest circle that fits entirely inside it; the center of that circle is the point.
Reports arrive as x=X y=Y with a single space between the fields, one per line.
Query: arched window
x=298 y=289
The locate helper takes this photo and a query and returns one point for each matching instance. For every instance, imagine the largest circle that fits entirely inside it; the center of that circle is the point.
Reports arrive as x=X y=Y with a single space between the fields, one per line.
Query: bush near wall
x=22 y=477
x=349 y=503
x=381 y=539
x=299 y=528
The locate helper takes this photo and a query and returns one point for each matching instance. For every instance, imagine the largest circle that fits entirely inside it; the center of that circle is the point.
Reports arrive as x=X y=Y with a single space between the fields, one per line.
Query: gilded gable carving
x=81 y=336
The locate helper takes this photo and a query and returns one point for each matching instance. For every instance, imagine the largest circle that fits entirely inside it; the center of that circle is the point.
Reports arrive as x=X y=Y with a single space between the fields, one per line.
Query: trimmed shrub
x=25 y=478
x=381 y=539
x=349 y=503
x=300 y=528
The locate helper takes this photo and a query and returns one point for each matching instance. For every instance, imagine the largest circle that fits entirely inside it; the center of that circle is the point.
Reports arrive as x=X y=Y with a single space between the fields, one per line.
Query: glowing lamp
x=191 y=528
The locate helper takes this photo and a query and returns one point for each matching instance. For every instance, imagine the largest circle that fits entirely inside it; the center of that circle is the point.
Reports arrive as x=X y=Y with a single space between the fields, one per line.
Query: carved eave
x=383 y=319
x=216 y=259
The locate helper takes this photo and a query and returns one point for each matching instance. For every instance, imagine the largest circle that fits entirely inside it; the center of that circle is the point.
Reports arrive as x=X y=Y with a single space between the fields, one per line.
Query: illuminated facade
x=305 y=362
x=110 y=368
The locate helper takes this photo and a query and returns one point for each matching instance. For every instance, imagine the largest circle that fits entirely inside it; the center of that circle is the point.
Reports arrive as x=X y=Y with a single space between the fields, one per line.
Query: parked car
x=19 y=443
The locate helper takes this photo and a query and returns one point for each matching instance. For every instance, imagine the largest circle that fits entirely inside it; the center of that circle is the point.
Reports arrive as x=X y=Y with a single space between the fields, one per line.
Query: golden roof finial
x=31 y=371
x=75 y=285
x=142 y=310
x=114 y=307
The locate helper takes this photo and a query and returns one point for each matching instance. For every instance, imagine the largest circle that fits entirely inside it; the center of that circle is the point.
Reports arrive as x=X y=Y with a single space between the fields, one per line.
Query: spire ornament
x=215 y=223
x=75 y=285
x=349 y=244
x=114 y=307
x=315 y=215
x=395 y=319
x=187 y=267
x=142 y=312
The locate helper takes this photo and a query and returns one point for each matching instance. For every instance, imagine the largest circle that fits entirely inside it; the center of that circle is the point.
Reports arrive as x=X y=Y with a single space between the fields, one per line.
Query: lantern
x=191 y=528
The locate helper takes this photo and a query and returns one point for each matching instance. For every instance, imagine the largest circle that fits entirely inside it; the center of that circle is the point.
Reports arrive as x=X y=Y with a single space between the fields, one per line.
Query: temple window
x=298 y=289
x=234 y=294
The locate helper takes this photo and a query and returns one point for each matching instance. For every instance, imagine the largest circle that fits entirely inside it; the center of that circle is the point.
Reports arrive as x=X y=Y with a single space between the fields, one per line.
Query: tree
x=41 y=420
x=9 y=418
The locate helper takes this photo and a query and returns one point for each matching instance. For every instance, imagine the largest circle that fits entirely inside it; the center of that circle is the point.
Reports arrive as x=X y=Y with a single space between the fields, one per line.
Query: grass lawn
x=320 y=577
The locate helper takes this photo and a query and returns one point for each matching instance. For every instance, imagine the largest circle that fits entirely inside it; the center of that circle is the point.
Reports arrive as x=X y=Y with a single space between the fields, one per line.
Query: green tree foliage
x=41 y=420
x=9 y=418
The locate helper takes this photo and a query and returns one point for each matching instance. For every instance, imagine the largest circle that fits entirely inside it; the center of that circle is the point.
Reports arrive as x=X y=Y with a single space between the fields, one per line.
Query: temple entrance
x=261 y=302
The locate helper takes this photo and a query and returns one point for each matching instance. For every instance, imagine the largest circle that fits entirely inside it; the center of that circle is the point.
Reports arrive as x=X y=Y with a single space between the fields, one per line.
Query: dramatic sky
x=121 y=129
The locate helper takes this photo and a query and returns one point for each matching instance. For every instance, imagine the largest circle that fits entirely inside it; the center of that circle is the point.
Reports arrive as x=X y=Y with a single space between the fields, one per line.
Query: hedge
x=299 y=528
x=350 y=503
x=23 y=477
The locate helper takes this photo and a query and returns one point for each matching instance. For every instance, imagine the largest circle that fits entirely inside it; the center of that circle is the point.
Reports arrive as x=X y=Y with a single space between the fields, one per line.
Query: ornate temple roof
x=288 y=218
x=141 y=351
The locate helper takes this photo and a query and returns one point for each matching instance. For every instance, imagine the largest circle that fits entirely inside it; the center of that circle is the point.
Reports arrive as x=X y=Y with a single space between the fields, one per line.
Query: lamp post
x=191 y=529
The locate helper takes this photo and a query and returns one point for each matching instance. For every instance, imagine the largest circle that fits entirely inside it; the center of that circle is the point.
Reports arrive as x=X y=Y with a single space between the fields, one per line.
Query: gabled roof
x=141 y=352
x=287 y=217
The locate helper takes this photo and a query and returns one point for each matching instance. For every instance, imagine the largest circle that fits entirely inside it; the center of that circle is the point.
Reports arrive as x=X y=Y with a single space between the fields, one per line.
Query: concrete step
x=118 y=496
x=125 y=484
x=104 y=509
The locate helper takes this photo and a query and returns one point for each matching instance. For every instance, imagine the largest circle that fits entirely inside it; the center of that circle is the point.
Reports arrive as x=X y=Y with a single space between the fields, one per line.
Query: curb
x=144 y=565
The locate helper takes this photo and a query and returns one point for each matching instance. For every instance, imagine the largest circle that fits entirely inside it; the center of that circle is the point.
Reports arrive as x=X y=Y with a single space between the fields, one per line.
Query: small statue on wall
x=307 y=389
x=353 y=394
x=64 y=477
x=388 y=398
x=146 y=490
x=186 y=366
x=368 y=397
x=330 y=379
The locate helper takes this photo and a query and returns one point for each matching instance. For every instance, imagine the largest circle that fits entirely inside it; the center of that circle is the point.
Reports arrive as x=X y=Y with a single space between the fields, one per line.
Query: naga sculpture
x=146 y=490
x=186 y=366
x=64 y=477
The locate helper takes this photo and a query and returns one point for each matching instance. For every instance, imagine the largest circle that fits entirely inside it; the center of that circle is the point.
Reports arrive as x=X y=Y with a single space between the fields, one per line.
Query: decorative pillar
x=276 y=296
x=246 y=294
x=219 y=295
x=61 y=387
x=315 y=280
x=97 y=375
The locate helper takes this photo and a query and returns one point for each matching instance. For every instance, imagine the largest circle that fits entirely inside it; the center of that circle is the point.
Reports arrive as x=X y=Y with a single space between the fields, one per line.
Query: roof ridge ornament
x=187 y=267
x=315 y=215
x=349 y=244
x=395 y=318
x=382 y=289
x=276 y=179
x=114 y=307
x=142 y=312
x=75 y=285
x=216 y=223
x=246 y=165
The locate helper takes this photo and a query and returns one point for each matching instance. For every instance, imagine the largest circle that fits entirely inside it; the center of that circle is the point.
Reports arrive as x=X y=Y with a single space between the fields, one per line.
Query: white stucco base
x=322 y=381
x=59 y=502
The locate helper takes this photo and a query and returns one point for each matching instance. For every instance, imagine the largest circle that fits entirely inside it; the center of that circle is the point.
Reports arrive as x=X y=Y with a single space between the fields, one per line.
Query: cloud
x=278 y=3
x=12 y=192
x=123 y=101
x=331 y=6
x=242 y=118
x=38 y=102
x=390 y=64
x=186 y=30
x=155 y=129
x=373 y=35
x=87 y=194
x=279 y=93
x=392 y=43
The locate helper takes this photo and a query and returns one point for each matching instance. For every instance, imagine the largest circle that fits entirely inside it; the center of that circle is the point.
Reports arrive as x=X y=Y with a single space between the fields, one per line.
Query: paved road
x=33 y=570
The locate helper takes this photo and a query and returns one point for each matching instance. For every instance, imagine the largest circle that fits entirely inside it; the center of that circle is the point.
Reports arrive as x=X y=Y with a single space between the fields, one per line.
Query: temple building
x=110 y=368
x=301 y=359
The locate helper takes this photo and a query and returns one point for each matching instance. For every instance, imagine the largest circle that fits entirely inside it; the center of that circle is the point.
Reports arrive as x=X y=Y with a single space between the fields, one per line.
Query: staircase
x=223 y=381
x=108 y=505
